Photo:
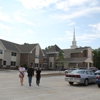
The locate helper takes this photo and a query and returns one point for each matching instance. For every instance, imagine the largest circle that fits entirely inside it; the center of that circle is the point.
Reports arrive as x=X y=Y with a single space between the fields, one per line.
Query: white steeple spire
x=74 y=41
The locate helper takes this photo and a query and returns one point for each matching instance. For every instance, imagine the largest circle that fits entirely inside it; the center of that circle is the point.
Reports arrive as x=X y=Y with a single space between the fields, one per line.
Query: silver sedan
x=81 y=76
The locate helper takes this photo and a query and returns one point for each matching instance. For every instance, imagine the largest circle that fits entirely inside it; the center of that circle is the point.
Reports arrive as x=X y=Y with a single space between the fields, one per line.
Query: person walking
x=30 y=72
x=38 y=76
x=21 y=74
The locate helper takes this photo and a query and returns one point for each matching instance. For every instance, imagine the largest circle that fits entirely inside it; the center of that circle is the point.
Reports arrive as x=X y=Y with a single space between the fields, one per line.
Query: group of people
x=30 y=72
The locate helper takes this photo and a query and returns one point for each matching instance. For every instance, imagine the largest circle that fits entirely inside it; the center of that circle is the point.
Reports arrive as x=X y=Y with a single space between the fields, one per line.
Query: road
x=51 y=88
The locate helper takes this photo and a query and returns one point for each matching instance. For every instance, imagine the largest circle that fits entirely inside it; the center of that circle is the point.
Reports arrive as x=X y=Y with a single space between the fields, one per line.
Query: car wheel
x=71 y=83
x=99 y=85
x=86 y=82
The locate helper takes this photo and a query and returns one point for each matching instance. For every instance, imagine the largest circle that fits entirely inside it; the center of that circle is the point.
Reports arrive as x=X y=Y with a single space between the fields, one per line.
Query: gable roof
x=53 y=49
x=44 y=52
x=74 y=60
x=26 y=48
x=17 y=47
x=9 y=45
x=76 y=50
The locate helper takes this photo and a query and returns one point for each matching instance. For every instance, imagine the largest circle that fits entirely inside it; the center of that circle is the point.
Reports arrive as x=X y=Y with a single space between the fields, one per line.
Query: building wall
x=51 y=60
x=74 y=55
x=37 y=51
x=7 y=58
x=32 y=58
x=24 y=58
x=1 y=48
x=18 y=59
x=90 y=55
x=41 y=59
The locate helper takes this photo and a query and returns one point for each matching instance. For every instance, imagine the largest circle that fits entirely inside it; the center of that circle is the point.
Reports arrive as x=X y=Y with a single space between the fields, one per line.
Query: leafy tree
x=96 y=57
x=26 y=43
x=61 y=59
x=47 y=48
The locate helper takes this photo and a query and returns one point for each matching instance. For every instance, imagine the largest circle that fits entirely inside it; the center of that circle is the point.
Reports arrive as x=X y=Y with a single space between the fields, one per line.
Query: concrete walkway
x=43 y=73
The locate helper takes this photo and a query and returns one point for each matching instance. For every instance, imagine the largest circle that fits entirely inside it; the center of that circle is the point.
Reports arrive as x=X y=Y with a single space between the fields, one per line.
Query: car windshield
x=78 y=71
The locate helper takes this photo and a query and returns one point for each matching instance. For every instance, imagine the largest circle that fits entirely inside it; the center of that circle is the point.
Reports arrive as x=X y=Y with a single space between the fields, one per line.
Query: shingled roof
x=84 y=59
x=54 y=48
x=26 y=48
x=77 y=50
x=9 y=45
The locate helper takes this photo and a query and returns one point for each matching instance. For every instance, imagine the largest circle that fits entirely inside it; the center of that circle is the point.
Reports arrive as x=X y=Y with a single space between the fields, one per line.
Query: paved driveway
x=51 y=88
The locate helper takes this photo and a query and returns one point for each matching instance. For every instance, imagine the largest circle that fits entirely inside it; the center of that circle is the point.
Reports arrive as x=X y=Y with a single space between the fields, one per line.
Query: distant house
x=13 y=55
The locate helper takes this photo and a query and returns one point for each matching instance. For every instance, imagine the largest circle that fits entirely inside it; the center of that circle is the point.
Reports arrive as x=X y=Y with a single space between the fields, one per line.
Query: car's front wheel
x=71 y=83
x=99 y=85
x=86 y=82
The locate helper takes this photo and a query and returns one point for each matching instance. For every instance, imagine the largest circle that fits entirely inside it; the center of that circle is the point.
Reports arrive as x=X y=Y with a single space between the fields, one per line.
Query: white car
x=81 y=76
x=70 y=70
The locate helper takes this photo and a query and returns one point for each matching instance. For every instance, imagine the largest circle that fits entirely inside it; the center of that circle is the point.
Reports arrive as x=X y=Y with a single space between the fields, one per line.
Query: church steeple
x=74 y=41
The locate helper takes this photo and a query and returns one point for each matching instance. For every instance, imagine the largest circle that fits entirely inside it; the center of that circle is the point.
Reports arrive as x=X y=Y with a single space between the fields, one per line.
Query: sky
x=50 y=22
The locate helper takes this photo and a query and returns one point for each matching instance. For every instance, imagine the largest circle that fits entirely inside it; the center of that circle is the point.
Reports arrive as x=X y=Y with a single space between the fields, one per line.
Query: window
x=13 y=63
x=4 y=62
x=1 y=51
x=51 y=55
x=36 y=64
x=50 y=64
x=37 y=56
x=13 y=54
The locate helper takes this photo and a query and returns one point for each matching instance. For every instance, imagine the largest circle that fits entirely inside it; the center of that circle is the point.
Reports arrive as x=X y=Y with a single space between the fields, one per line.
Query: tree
x=47 y=48
x=26 y=43
x=96 y=57
x=61 y=59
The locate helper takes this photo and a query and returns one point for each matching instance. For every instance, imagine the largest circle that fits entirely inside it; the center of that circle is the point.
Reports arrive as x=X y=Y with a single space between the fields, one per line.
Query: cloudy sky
x=50 y=22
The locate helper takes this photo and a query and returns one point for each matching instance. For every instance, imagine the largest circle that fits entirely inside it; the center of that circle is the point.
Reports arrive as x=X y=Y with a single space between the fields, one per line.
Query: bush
x=26 y=67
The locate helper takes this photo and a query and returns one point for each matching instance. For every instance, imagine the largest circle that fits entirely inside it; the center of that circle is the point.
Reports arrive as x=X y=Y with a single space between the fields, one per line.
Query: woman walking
x=21 y=74
x=38 y=76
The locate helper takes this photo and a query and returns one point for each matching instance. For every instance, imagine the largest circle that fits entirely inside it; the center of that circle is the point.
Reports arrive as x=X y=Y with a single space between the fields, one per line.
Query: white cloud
x=4 y=17
x=66 y=5
x=84 y=12
x=0 y=7
x=22 y=20
x=96 y=27
x=83 y=37
x=2 y=26
x=37 y=3
x=71 y=23
x=30 y=31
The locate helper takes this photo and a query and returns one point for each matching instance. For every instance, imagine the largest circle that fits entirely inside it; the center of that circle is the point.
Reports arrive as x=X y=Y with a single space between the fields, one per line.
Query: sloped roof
x=84 y=59
x=76 y=50
x=9 y=45
x=17 y=47
x=54 y=48
x=44 y=52
x=26 y=48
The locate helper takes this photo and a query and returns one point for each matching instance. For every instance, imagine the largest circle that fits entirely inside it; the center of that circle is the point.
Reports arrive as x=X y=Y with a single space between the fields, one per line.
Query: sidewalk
x=43 y=73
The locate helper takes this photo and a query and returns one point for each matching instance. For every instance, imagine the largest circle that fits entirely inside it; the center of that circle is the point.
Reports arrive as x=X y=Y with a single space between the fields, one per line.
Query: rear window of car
x=78 y=71
x=97 y=73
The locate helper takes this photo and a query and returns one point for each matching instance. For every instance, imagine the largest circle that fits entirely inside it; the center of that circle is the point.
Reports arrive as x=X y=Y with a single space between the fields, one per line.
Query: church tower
x=74 y=41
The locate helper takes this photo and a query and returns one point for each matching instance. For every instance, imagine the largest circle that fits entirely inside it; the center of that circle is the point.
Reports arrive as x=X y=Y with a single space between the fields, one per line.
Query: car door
x=93 y=76
x=89 y=76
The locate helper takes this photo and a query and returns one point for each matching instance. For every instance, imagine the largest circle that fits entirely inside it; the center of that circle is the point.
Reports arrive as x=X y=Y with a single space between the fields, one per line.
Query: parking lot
x=51 y=88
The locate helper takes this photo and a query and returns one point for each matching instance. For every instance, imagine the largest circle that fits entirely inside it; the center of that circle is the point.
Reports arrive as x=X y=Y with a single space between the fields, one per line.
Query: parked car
x=94 y=69
x=84 y=76
x=97 y=73
x=70 y=70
